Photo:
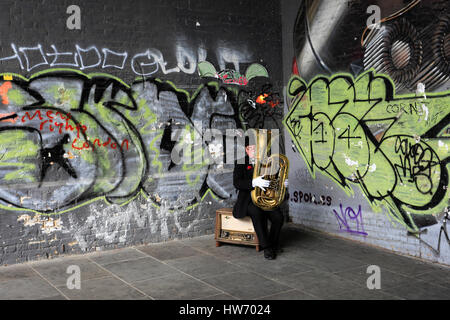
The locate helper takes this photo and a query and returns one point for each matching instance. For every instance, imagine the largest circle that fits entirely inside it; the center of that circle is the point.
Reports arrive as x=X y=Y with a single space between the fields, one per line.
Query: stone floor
x=312 y=266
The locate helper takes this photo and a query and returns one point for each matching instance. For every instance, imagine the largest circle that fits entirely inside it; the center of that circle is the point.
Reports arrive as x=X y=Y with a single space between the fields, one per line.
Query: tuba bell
x=273 y=168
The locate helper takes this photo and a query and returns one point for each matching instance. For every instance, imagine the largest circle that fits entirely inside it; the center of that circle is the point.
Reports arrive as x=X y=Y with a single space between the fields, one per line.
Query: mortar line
x=386 y=293
x=358 y=244
x=48 y=281
x=236 y=265
x=267 y=278
x=354 y=281
x=362 y=245
x=118 y=261
x=216 y=294
x=191 y=276
x=117 y=277
x=284 y=284
x=368 y=245
x=413 y=277
x=231 y=262
x=269 y=295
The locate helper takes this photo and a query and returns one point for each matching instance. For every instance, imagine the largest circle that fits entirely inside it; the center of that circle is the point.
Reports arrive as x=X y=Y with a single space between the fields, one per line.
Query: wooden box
x=232 y=230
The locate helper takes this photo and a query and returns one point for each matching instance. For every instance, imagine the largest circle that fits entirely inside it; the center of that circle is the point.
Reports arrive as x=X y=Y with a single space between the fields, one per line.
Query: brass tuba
x=274 y=168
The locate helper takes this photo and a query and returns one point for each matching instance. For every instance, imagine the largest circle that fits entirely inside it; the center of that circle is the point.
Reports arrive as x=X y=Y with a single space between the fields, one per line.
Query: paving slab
x=332 y=263
x=176 y=287
x=273 y=269
x=246 y=285
x=139 y=269
x=388 y=279
x=16 y=272
x=321 y=284
x=366 y=294
x=111 y=256
x=220 y=296
x=108 y=288
x=29 y=288
x=170 y=251
x=312 y=266
x=56 y=271
x=289 y=295
x=420 y=290
x=439 y=276
x=204 y=266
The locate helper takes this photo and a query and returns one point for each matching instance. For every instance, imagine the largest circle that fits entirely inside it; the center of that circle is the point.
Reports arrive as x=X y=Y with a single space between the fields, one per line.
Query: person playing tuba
x=245 y=182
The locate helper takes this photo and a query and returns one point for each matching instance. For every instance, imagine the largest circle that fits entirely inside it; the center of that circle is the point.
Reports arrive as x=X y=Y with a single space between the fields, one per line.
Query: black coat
x=242 y=180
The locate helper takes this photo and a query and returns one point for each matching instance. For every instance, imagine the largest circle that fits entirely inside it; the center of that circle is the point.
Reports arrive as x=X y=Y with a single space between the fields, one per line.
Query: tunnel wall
x=369 y=151
x=97 y=95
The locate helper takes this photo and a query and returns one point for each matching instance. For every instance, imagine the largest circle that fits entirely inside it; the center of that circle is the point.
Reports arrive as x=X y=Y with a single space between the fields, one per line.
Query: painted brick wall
x=133 y=80
x=336 y=40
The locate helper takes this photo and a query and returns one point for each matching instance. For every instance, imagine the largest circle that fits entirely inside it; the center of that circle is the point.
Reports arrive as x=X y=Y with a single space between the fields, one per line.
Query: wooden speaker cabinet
x=232 y=230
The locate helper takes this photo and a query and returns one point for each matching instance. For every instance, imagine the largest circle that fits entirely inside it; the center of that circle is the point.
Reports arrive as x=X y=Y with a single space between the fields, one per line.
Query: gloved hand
x=260 y=182
x=286 y=183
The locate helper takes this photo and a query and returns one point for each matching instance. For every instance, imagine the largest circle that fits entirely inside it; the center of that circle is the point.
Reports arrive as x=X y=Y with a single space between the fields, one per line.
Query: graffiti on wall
x=443 y=231
x=257 y=101
x=68 y=138
x=229 y=76
x=442 y=237
x=148 y=62
x=308 y=197
x=415 y=54
x=359 y=131
x=259 y=104
x=350 y=221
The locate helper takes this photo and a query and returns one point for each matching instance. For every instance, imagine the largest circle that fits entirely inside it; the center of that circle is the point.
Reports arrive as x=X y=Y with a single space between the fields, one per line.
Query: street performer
x=244 y=182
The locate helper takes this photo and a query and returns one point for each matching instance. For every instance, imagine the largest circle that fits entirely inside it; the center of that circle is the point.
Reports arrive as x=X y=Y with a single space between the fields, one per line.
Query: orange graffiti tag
x=8 y=119
x=262 y=98
x=4 y=91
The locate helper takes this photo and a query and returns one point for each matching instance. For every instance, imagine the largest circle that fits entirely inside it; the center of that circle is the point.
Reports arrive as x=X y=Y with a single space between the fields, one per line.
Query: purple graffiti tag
x=354 y=219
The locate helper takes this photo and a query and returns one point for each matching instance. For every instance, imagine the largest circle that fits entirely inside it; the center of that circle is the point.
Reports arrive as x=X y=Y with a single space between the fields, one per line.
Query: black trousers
x=260 y=217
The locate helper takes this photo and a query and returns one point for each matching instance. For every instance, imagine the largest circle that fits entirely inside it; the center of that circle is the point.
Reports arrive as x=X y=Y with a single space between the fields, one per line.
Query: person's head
x=250 y=150
x=250 y=144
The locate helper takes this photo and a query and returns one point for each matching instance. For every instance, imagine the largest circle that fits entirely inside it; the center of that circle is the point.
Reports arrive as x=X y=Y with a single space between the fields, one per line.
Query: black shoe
x=269 y=254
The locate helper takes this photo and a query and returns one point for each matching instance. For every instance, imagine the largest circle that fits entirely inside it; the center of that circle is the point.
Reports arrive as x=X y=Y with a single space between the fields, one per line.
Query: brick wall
x=133 y=80
x=346 y=209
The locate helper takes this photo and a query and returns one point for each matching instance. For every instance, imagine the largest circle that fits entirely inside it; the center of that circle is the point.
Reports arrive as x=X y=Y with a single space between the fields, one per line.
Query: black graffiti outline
x=100 y=84
x=253 y=114
x=389 y=96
